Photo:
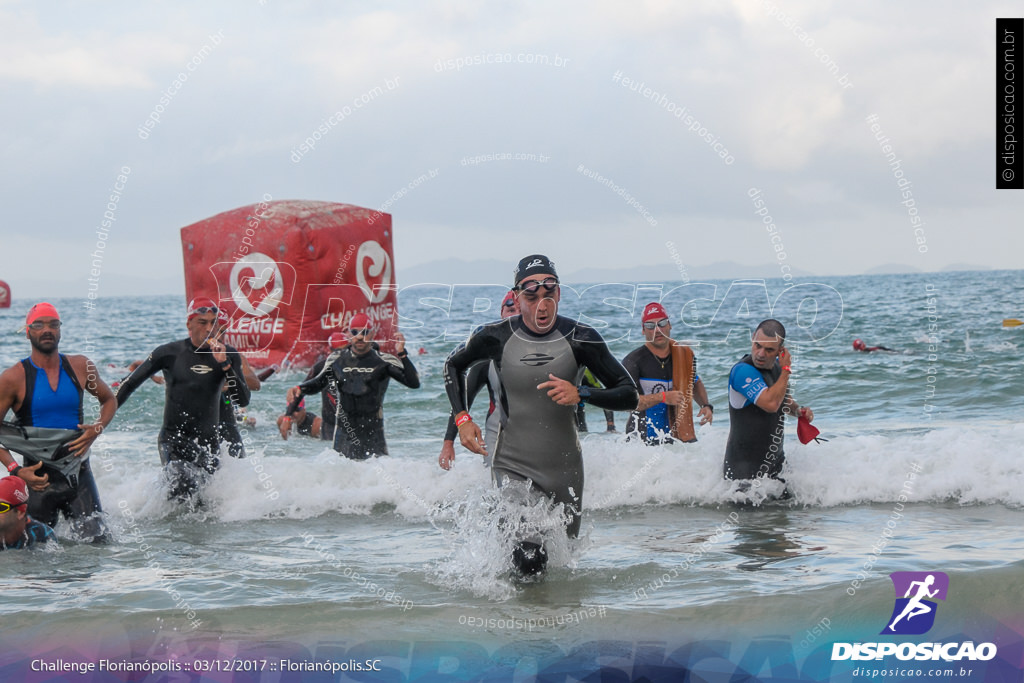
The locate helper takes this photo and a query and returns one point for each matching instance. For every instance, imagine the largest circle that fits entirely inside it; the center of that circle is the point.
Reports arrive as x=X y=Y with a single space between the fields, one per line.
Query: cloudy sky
x=407 y=89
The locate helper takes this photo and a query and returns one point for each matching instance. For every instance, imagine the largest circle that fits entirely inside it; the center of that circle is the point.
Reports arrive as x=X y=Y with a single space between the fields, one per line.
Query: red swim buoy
x=290 y=273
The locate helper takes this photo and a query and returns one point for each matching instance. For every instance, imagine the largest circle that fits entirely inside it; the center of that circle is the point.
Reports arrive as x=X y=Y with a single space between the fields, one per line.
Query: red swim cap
x=13 y=491
x=41 y=310
x=858 y=345
x=359 y=321
x=653 y=311
x=196 y=306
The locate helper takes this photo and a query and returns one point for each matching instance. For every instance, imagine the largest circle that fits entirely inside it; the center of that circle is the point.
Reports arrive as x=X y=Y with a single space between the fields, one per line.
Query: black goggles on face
x=365 y=332
x=533 y=286
x=651 y=324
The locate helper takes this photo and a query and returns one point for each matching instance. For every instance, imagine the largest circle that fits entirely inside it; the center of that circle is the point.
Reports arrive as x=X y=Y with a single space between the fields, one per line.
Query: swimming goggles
x=39 y=325
x=533 y=286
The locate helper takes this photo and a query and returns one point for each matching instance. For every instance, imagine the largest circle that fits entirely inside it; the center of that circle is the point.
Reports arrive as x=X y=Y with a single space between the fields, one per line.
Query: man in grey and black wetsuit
x=535 y=353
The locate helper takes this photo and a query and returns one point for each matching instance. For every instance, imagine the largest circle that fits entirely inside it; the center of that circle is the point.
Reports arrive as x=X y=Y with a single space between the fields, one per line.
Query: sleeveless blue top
x=60 y=409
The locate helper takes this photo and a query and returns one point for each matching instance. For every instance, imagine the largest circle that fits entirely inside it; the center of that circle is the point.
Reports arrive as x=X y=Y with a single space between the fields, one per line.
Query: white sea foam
x=975 y=465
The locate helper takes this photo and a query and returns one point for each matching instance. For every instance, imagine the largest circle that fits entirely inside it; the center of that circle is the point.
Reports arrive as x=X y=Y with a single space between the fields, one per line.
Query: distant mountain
x=892 y=269
x=667 y=272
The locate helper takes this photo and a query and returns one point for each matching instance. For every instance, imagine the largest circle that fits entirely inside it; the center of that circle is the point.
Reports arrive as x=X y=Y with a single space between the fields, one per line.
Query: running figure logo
x=914 y=613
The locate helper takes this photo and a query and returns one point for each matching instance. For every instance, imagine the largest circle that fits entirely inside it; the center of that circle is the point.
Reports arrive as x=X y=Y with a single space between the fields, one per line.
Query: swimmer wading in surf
x=46 y=392
x=195 y=369
x=539 y=358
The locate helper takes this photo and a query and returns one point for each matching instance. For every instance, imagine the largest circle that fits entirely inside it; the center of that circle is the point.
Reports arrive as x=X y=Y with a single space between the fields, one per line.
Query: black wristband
x=14 y=472
x=708 y=405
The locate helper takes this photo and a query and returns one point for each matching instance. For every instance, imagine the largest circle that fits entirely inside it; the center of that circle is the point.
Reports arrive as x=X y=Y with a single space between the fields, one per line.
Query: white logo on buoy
x=3 y=295
x=266 y=276
x=380 y=266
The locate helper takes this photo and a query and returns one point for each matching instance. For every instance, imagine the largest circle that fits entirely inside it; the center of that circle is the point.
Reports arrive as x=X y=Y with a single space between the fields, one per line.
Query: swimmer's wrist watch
x=584 y=393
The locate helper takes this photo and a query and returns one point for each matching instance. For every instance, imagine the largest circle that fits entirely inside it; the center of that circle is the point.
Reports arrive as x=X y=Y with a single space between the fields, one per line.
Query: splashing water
x=482 y=528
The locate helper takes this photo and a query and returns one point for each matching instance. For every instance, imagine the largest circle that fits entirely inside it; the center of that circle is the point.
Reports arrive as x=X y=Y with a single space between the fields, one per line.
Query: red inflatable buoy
x=290 y=273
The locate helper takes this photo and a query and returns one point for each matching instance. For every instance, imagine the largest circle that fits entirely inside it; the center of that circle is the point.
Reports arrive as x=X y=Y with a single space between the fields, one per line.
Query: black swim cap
x=533 y=264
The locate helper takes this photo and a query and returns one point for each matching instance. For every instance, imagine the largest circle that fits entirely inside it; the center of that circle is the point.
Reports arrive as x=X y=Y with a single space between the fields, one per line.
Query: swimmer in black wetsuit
x=46 y=390
x=17 y=529
x=481 y=374
x=229 y=415
x=361 y=373
x=534 y=353
x=195 y=369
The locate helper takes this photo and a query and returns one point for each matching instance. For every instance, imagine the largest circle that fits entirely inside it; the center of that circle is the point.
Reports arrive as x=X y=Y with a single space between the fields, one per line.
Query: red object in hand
x=805 y=431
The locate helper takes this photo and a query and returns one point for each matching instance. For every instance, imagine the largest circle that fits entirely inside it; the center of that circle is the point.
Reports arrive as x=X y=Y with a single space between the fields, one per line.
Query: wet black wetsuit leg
x=80 y=504
x=581 y=417
x=360 y=437
x=228 y=427
x=84 y=511
x=188 y=464
x=230 y=435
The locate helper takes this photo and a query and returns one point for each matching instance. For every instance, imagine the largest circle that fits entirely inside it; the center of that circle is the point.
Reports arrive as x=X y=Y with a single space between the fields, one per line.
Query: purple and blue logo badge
x=914 y=612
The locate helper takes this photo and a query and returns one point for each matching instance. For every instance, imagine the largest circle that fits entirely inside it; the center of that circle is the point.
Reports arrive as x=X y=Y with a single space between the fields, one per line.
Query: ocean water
x=302 y=556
